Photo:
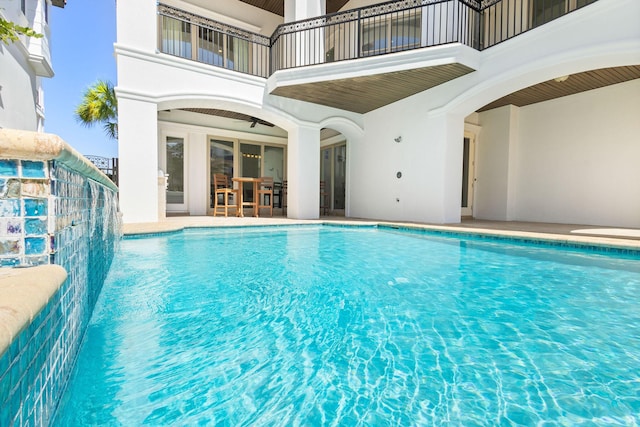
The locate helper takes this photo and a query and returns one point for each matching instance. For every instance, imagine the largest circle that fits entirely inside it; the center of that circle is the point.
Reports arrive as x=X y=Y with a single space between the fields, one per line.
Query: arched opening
x=196 y=143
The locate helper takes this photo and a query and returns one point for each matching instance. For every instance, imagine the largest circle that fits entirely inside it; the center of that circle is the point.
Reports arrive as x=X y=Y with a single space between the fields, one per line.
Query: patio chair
x=222 y=191
x=265 y=190
x=283 y=197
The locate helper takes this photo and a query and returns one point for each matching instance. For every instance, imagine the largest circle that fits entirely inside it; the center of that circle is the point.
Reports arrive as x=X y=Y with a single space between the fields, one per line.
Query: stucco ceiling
x=277 y=6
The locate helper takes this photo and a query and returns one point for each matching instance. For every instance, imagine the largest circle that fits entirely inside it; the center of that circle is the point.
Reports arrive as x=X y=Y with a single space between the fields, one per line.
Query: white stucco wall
x=495 y=147
x=576 y=159
x=21 y=63
x=430 y=123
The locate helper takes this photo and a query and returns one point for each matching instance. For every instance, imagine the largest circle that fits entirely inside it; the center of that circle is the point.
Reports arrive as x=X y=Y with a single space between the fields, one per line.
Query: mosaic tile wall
x=51 y=214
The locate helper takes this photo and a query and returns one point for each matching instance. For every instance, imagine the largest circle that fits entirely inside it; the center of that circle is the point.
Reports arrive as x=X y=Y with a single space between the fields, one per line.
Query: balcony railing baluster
x=368 y=31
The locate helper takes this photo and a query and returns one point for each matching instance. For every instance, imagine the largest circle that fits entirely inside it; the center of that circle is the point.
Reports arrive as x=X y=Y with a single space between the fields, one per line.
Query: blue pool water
x=358 y=327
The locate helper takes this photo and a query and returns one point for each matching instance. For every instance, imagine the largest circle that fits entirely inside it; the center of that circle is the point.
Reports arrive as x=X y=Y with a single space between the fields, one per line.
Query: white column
x=138 y=163
x=297 y=10
x=449 y=130
x=303 y=173
x=309 y=44
x=197 y=173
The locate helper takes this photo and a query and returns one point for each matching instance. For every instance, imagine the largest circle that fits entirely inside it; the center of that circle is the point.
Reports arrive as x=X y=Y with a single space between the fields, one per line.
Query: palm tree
x=99 y=105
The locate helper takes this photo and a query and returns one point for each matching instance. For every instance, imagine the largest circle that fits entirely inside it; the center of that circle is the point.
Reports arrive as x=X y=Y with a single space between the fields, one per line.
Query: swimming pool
x=358 y=326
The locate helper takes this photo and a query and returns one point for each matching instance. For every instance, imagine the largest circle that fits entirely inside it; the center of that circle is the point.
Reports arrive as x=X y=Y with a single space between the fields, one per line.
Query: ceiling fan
x=255 y=121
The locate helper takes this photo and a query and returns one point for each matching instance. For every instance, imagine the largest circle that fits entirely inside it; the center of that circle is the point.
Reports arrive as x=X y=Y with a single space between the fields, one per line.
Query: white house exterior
x=414 y=110
x=24 y=63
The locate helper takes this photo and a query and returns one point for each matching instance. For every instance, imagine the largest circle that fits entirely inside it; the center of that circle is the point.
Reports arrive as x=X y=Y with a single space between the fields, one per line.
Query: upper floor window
x=176 y=37
x=23 y=6
x=46 y=11
x=391 y=33
x=544 y=11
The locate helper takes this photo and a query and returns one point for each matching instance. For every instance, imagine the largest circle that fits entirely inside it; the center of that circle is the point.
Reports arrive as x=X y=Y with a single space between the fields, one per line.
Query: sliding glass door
x=175 y=169
x=333 y=171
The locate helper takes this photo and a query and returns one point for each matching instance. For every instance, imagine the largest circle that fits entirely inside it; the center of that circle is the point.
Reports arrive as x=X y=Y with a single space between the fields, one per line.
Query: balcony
x=432 y=42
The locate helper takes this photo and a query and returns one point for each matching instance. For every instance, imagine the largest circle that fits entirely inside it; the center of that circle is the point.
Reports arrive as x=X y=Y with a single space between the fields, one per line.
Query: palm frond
x=99 y=105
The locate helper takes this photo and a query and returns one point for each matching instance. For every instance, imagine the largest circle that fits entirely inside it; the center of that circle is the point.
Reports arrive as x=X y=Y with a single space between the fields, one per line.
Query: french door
x=175 y=167
x=333 y=171
x=468 y=174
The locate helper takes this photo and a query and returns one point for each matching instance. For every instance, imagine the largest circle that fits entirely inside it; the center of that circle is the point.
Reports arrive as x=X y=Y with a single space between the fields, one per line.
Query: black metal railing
x=380 y=29
x=375 y=30
x=190 y=36
x=107 y=165
x=505 y=19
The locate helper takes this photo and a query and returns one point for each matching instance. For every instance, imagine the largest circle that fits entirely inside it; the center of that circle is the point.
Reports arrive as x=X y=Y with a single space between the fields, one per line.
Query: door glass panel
x=274 y=163
x=220 y=160
x=175 y=169
x=238 y=54
x=405 y=30
x=250 y=163
x=339 y=177
x=374 y=36
x=547 y=10
x=210 y=46
x=325 y=171
x=176 y=37
x=465 y=173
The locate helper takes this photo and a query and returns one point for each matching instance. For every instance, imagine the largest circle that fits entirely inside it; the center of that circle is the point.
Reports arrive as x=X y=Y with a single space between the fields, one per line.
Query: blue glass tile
x=8 y=168
x=5 y=385
x=35 y=245
x=9 y=262
x=35 y=226
x=32 y=169
x=35 y=207
x=10 y=207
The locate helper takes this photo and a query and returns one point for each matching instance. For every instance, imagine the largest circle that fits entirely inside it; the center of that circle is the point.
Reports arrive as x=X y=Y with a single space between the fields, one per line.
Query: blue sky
x=82 y=37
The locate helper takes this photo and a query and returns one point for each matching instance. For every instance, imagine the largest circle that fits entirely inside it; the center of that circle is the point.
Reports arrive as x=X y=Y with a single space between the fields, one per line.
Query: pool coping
x=24 y=292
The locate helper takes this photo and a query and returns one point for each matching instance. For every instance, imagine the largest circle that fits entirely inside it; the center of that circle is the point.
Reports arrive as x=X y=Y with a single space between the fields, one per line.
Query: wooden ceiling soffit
x=227 y=114
x=367 y=93
x=575 y=83
x=277 y=6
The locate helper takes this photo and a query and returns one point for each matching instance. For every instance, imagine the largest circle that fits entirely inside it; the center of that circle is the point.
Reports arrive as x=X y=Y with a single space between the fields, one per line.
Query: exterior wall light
x=561 y=79
x=397 y=139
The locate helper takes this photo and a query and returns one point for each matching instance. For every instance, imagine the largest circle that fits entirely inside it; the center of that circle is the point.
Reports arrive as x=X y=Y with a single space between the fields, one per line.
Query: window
x=46 y=11
x=176 y=37
x=217 y=48
x=391 y=32
x=23 y=6
x=544 y=11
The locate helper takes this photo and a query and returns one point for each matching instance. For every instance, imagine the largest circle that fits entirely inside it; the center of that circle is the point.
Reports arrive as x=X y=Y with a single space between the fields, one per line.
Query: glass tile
x=31 y=169
x=35 y=207
x=35 y=226
x=10 y=207
x=9 y=247
x=10 y=262
x=14 y=226
x=33 y=188
x=8 y=168
x=35 y=245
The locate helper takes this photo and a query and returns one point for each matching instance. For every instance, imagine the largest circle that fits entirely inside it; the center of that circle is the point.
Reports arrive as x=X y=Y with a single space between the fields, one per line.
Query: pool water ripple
x=316 y=326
